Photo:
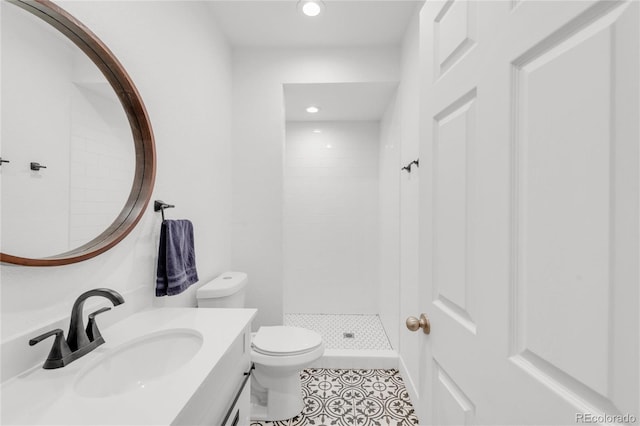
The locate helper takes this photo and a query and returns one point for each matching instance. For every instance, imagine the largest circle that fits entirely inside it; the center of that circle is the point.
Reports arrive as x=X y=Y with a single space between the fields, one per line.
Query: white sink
x=134 y=364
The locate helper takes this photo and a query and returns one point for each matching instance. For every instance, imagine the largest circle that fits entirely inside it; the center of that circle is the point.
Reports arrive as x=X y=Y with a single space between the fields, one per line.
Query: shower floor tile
x=352 y=397
x=363 y=331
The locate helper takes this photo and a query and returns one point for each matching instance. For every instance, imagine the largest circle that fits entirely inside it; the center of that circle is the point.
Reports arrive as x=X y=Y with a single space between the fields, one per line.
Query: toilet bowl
x=279 y=353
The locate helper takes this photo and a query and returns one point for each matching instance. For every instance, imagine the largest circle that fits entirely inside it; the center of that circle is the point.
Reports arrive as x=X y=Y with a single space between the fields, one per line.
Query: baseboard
x=410 y=385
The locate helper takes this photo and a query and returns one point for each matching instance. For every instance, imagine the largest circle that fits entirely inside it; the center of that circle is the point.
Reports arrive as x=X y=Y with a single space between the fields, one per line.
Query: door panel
x=453 y=144
x=529 y=212
x=454 y=33
x=451 y=405
x=566 y=194
x=562 y=209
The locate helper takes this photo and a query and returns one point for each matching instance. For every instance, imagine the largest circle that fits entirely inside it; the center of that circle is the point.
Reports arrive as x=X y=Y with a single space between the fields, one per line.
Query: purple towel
x=176 y=258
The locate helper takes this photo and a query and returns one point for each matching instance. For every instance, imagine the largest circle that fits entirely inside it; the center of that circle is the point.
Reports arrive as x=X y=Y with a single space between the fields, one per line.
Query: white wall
x=410 y=303
x=389 y=223
x=331 y=217
x=258 y=152
x=399 y=295
x=181 y=65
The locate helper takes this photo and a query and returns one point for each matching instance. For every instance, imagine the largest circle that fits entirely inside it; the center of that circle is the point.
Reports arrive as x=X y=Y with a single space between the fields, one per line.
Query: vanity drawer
x=215 y=397
x=239 y=413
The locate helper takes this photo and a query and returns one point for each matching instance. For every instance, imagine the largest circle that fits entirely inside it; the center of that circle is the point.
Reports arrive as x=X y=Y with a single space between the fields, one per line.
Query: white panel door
x=529 y=217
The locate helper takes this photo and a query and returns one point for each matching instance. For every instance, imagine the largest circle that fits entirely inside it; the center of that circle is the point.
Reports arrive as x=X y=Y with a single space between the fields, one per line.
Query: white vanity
x=162 y=366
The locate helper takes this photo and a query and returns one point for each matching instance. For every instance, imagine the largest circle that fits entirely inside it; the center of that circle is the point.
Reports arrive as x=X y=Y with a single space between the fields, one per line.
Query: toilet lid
x=282 y=340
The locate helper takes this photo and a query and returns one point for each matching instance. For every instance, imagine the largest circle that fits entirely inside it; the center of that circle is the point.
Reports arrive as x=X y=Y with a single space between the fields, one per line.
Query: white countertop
x=40 y=396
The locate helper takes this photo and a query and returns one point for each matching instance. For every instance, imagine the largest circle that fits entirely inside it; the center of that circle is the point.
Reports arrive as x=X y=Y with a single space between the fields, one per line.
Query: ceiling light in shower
x=312 y=109
x=311 y=7
x=317 y=131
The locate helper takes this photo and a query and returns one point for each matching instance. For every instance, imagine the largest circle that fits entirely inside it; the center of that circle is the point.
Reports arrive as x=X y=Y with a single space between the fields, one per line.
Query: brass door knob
x=414 y=324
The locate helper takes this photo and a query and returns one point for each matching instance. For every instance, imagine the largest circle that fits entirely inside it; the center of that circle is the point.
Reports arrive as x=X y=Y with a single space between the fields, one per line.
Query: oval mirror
x=77 y=145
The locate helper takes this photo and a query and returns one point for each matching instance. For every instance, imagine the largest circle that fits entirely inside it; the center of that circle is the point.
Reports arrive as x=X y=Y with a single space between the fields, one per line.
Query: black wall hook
x=408 y=166
x=36 y=166
x=159 y=205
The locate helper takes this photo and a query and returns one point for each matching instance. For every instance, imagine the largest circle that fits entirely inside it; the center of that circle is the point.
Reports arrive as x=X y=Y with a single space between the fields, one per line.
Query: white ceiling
x=338 y=101
x=269 y=23
x=343 y=23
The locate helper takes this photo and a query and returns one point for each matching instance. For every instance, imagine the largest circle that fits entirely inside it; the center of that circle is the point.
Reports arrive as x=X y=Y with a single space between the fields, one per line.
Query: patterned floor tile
x=352 y=397
x=367 y=330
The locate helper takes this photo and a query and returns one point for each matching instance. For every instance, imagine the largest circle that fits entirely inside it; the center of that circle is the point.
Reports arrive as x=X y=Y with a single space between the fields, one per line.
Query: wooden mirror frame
x=144 y=176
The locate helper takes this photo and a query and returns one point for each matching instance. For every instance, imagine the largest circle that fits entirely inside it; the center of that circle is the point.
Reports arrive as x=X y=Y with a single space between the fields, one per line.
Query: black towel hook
x=159 y=205
x=408 y=166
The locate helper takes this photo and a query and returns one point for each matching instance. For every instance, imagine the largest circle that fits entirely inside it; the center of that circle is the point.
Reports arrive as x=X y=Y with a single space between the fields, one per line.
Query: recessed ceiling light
x=317 y=131
x=312 y=109
x=310 y=7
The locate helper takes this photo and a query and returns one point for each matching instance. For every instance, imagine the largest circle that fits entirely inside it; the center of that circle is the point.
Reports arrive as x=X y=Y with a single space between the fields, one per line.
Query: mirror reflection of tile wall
x=57 y=110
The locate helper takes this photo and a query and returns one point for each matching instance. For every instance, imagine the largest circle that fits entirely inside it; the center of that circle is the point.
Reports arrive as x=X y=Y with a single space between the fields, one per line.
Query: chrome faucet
x=80 y=341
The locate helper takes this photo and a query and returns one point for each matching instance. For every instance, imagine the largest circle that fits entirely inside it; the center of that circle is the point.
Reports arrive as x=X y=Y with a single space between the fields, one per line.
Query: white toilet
x=278 y=352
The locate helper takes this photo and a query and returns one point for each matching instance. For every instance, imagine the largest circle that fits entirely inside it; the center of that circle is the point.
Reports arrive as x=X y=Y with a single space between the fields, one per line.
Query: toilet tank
x=225 y=291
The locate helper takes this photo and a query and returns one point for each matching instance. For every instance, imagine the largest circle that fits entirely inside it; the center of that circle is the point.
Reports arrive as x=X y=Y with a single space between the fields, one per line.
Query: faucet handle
x=57 y=332
x=92 y=327
x=59 y=351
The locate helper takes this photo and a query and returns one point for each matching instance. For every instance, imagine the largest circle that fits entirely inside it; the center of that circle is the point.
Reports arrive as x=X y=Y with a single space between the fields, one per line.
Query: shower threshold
x=352 y=341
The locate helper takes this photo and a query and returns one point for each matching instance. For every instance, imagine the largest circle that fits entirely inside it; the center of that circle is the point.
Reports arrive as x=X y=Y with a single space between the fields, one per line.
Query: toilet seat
x=285 y=341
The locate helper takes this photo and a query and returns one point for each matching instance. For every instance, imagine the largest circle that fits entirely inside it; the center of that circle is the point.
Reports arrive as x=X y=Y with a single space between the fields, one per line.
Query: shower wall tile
x=331 y=217
x=352 y=169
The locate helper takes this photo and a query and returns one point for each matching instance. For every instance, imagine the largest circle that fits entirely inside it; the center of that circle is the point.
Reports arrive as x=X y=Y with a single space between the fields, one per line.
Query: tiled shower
x=331 y=248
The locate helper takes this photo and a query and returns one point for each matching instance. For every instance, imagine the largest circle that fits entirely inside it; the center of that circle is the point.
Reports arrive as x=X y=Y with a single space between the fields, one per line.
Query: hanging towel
x=176 y=258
